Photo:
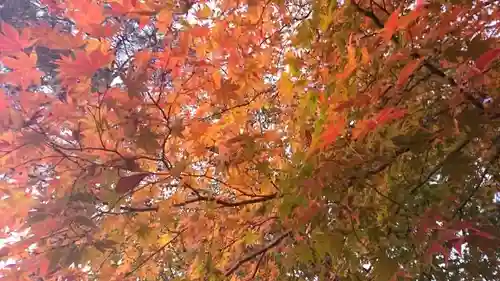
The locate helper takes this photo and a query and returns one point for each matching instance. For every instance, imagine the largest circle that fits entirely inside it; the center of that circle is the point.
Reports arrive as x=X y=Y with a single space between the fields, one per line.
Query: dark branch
x=253 y=255
x=225 y=203
x=139 y=210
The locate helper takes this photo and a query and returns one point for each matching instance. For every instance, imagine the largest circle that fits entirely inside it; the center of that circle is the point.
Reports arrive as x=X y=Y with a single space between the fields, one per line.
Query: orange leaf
x=126 y=184
x=408 y=19
x=386 y=115
x=333 y=131
x=351 y=61
x=24 y=72
x=84 y=65
x=164 y=20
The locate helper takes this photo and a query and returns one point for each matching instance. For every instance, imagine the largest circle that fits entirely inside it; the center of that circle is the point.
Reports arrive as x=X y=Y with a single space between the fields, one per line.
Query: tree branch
x=139 y=210
x=479 y=184
x=152 y=255
x=253 y=255
x=224 y=203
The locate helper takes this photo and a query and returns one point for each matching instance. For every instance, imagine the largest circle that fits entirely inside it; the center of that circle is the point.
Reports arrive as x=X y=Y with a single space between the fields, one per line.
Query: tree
x=250 y=140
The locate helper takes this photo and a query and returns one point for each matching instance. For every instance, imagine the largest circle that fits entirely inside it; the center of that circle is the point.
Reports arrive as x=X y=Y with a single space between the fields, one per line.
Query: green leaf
x=385 y=268
x=55 y=257
x=417 y=142
x=328 y=243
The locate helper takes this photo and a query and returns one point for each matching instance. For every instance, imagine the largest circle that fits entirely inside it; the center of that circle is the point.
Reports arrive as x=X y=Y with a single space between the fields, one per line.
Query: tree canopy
x=250 y=140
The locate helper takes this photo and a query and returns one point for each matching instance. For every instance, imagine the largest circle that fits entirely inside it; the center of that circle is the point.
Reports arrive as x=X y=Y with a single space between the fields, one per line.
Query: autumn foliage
x=249 y=140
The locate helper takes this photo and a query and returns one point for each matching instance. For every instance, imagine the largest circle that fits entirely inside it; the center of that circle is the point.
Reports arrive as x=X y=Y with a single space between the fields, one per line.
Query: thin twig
x=152 y=255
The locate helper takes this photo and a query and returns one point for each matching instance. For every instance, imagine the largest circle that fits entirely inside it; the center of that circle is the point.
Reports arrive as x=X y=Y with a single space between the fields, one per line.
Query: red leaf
x=10 y=31
x=126 y=184
x=483 y=234
x=44 y=265
x=332 y=132
x=407 y=71
x=389 y=114
x=11 y=42
x=4 y=102
x=391 y=25
x=386 y=115
x=487 y=58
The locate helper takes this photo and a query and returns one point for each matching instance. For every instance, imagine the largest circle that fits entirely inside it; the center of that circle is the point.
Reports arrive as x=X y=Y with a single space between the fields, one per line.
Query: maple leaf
x=24 y=72
x=332 y=131
x=11 y=41
x=384 y=116
x=126 y=184
x=4 y=102
x=391 y=25
x=389 y=114
x=164 y=19
x=487 y=58
x=407 y=71
x=55 y=38
x=406 y=20
x=83 y=64
x=286 y=87
x=86 y=13
x=238 y=116
x=351 y=61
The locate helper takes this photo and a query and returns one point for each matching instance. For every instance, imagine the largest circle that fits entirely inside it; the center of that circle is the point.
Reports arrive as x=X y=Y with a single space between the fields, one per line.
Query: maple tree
x=249 y=140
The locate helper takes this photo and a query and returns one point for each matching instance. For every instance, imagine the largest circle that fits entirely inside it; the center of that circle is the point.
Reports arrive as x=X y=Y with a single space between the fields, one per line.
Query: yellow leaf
x=251 y=237
x=164 y=239
x=92 y=44
x=204 y=12
x=285 y=87
x=325 y=20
